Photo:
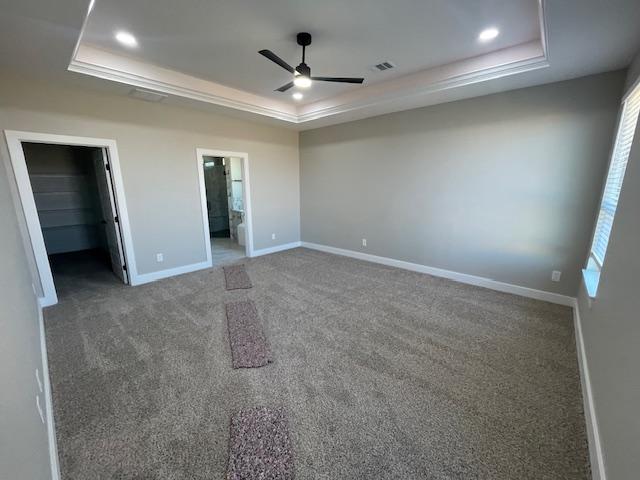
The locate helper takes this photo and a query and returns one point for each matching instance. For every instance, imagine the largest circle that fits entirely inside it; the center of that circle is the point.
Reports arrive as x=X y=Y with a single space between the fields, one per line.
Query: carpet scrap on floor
x=249 y=346
x=260 y=448
x=236 y=277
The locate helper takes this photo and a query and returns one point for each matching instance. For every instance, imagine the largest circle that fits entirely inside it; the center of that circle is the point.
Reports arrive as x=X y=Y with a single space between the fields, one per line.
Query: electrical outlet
x=159 y=257
x=38 y=380
x=39 y=408
x=555 y=275
x=364 y=242
x=273 y=236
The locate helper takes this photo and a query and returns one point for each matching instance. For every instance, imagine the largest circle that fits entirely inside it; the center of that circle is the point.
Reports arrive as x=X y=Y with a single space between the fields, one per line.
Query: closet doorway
x=71 y=193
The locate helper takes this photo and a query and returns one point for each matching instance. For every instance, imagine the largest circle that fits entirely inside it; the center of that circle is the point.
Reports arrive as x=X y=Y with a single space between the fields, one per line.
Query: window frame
x=593 y=268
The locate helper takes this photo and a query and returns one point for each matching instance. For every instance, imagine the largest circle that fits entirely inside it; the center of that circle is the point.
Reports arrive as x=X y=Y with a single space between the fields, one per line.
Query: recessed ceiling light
x=126 y=39
x=297 y=96
x=488 y=34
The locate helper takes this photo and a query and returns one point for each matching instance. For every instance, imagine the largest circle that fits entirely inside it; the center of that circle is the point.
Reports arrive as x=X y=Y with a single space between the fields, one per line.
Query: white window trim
x=593 y=268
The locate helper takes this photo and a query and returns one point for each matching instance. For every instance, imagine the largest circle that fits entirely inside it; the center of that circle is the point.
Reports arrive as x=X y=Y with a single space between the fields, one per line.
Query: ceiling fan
x=302 y=73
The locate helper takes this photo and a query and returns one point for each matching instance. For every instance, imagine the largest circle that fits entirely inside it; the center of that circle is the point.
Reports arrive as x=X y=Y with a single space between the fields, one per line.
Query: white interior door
x=109 y=208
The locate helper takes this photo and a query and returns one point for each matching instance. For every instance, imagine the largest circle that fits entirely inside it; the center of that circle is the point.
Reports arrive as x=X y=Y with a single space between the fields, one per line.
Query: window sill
x=591 y=278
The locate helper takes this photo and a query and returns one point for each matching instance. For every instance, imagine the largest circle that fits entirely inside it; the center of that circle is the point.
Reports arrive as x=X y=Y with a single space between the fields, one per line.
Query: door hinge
x=115 y=219
x=107 y=167
x=124 y=267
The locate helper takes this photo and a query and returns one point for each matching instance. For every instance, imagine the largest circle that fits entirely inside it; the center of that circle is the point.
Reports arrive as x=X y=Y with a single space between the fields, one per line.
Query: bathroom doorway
x=223 y=179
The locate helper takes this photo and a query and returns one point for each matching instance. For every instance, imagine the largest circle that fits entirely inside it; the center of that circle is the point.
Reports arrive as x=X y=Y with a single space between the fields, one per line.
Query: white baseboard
x=598 y=471
x=48 y=399
x=277 y=248
x=153 y=276
x=456 y=276
x=46 y=302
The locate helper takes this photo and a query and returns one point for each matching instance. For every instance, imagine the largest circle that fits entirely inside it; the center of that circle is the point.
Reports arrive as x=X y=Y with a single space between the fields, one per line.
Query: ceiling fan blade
x=338 y=79
x=276 y=59
x=284 y=88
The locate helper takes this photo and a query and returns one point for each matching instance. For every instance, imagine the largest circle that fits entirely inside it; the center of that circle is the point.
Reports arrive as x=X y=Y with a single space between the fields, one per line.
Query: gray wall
x=157 y=149
x=611 y=330
x=503 y=186
x=23 y=438
x=633 y=74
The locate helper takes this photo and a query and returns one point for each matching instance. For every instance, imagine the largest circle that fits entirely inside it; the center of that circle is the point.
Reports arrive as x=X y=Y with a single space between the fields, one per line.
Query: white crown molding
x=109 y=66
x=534 y=55
x=510 y=61
x=544 y=31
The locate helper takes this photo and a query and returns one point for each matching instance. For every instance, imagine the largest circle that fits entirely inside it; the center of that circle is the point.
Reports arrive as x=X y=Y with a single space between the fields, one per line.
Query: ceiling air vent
x=383 y=66
x=147 y=95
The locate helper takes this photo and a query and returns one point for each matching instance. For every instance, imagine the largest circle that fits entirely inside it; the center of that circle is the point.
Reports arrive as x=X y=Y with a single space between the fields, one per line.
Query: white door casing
x=26 y=200
x=246 y=192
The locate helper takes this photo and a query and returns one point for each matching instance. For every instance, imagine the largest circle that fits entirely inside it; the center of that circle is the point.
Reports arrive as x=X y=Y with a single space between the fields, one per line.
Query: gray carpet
x=249 y=346
x=385 y=374
x=259 y=445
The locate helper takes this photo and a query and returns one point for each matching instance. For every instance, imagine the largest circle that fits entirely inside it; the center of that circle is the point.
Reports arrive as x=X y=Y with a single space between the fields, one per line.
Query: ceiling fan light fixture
x=302 y=81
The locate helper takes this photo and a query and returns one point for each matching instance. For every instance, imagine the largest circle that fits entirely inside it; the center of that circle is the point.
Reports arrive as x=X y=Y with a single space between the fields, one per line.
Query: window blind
x=615 y=176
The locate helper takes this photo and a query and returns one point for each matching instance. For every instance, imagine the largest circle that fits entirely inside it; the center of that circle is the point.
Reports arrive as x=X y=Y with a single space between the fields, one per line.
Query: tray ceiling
x=207 y=51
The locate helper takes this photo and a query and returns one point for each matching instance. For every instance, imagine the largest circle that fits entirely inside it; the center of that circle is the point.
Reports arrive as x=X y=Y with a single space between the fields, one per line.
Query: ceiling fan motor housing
x=304 y=39
x=304 y=70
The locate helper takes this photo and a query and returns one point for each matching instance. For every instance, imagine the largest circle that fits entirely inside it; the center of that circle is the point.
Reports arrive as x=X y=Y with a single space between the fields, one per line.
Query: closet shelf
x=52 y=227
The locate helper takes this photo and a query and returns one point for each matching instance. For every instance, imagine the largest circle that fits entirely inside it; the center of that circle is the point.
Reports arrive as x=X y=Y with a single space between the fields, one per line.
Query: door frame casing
x=14 y=140
x=246 y=193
